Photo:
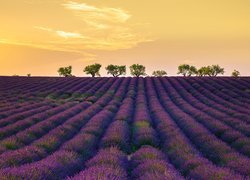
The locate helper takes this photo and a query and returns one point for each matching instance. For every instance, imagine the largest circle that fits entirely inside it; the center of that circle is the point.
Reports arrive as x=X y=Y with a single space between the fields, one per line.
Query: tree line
x=138 y=70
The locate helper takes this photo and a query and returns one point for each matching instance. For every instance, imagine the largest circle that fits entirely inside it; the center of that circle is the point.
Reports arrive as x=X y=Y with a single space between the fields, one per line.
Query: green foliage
x=137 y=70
x=65 y=71
x=159 y=73
x=187 y=70
x=192 y=71
x=49 y=144
x=141 y=124
x=235 y=73
x=11 y=144
x=93 y=69
x=213 y=70
x=116 y=70
x=203 y=71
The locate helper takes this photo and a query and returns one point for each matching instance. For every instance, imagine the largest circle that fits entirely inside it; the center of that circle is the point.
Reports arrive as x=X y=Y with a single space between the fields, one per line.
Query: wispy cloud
x=97 y=25
x=97 y=29
x=4 y=41
x=107 y=28
x=102 y=13
x=69 y=34
x=61 y=33
x=43 y=28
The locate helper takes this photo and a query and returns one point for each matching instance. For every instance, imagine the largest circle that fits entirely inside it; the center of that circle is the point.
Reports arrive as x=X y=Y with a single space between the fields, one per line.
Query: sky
x=39 y=36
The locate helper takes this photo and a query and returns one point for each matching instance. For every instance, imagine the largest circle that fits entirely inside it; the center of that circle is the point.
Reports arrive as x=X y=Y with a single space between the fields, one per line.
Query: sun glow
x=154 y=33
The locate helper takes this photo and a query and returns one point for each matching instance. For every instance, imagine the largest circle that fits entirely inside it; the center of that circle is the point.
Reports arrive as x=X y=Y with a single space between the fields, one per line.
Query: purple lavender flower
x=101 y=172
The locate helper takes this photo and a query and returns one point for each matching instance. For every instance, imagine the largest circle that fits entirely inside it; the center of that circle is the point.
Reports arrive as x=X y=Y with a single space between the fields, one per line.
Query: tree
x=93 y=69
x=116 y=70
x=187 y=70
x=203 y=71
x=159 y=73
x=235 y=73
x=137 y=70
x=214 y=70
x=183 y=69
x=192 y=71
x=65 y=71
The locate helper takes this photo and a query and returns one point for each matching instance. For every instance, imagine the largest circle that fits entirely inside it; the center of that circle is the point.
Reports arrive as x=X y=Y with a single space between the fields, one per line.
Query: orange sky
x=39 y=36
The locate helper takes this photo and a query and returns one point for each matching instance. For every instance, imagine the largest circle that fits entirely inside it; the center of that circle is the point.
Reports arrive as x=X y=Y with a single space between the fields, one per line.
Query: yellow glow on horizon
x=155 y=33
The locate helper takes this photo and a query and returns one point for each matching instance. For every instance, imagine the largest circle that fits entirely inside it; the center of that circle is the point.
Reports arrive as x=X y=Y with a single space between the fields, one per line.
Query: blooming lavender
x=124 y=128
x=148 y=161
x=117 y=135
x=109 y=163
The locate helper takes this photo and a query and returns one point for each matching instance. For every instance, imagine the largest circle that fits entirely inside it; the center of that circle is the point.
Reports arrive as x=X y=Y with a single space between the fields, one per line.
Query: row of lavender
x=190 y=160
x=196 y=129
x=139 y=128
x=58 y=141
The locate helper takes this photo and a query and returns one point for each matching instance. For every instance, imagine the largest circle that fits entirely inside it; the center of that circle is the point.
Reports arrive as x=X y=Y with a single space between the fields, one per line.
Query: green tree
x=203 y=71
x=65 y=71
x=116 y=70
x=187 y=70
x=235 y=73
x=159 y=73
x=192 y=71
x=214 y=70
x=137 y=70
x=93 y=69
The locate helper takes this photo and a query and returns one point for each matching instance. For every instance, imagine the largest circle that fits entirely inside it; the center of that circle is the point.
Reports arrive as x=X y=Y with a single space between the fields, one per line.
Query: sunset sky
x=39 y=36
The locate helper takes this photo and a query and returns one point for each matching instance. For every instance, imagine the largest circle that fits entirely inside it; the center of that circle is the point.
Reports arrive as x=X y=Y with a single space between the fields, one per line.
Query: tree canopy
x=213 y=70
x=93 y=69
x=187 y=70
x=116 y=70
x=159 y=73
x=203 y=71
x=235 y=73
x=65 y=71
x=137 y=70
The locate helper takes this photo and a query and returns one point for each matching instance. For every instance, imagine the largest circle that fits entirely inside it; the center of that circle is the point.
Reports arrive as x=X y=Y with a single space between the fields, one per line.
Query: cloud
x=69 y=34
x=103 y=13
x=61 y=33
x=107 y=28
x=43 y=28
x=3 y=41
x=108 y=39
x=52 y=46
x=93 y=29
x=96 y=25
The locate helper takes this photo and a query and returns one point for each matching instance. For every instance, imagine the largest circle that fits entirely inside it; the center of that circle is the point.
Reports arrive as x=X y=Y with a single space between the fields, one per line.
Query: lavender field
x=124 y=128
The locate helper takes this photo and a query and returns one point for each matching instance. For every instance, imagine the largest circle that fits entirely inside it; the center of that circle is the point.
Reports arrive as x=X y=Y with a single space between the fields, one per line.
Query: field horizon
x=127 y=76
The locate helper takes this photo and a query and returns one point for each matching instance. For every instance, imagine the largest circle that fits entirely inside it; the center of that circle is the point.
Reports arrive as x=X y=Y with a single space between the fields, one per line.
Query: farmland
x=124 y=128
